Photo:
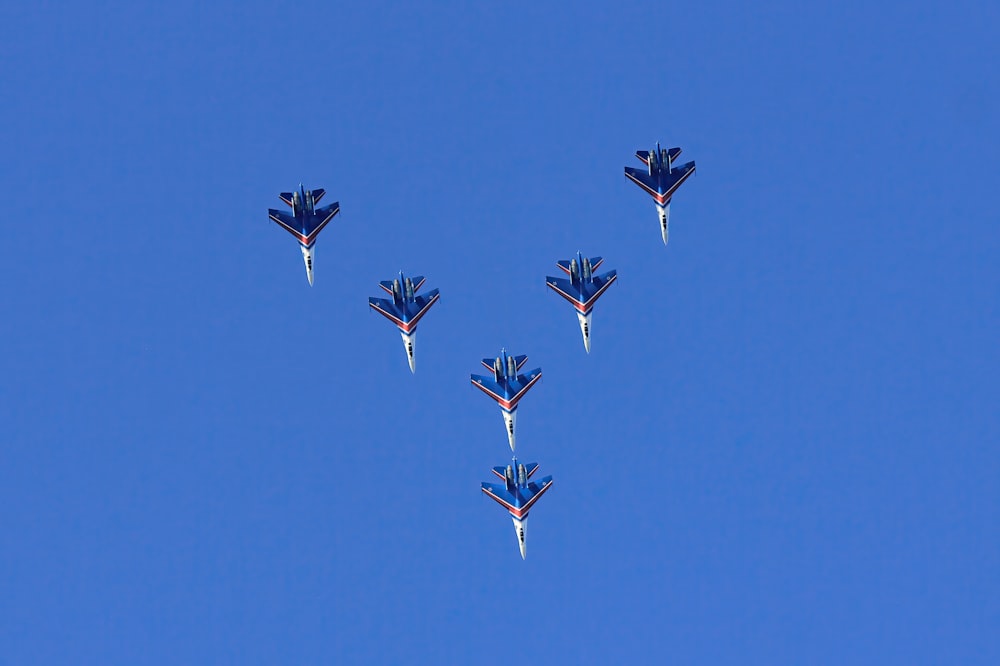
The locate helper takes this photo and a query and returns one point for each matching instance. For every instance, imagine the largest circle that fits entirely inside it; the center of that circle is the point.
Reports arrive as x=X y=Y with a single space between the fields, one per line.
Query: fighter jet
x=506 y=386
x=582 y=289
x=405 y=308
x=660 y=179
x=306 y=221
x=517 y=494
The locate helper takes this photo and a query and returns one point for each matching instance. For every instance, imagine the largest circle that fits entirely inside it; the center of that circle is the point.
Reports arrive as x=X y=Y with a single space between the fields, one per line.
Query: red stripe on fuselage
x=511 y=404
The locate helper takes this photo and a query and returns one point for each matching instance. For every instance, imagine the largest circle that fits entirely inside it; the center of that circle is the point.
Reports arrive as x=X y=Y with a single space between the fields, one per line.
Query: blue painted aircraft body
x=518 y=493
x=660 y=179
x=306 y=221
x=506 y=386
x=405 y=308
x=582 y=289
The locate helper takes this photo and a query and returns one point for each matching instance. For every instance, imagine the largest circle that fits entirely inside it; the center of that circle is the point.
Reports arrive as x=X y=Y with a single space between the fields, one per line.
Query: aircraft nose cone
x=585 y=329
x=410 y=344
x=310 y=276
x=521 y=529
x=510 y=423
x=664 y=224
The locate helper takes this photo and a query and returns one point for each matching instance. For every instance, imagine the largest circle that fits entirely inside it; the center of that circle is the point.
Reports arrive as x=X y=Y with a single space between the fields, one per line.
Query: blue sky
x=782 y=449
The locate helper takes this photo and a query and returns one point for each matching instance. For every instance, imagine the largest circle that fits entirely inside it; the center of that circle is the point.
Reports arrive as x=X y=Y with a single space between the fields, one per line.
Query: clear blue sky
x=783 y=448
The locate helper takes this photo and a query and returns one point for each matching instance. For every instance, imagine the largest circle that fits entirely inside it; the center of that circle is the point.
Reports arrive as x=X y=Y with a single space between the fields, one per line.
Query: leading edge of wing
x=562 y=288
x=287 y=222
x=507 y=500
x=324 y=215
x=497 y=392
x=646 y=182
x=387 y=309
x=394 y=313
x=428 y=299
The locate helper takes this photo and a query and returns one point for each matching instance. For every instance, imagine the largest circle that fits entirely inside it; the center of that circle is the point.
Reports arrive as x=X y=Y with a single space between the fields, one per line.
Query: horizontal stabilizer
x=287 y=198
x=317 y=195
x=520 y=360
